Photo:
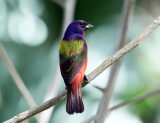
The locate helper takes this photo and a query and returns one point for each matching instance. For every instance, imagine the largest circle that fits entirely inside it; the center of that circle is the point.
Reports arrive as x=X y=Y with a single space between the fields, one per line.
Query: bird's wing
x=72 y=57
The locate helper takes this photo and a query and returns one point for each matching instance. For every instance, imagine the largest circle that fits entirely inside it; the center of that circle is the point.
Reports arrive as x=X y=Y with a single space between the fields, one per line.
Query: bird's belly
x=79 y=77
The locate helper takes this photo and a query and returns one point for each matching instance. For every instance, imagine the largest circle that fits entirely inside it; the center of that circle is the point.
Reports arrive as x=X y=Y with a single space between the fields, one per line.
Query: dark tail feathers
x=74 y=100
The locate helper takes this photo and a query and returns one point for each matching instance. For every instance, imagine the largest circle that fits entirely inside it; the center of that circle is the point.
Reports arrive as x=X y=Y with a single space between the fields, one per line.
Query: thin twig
x=68 y=15
x=99 y=88
x=27 y=114
x=129 y=102
x=60 y=2
x=135 y=100
x=104 y=103
x=17 y=79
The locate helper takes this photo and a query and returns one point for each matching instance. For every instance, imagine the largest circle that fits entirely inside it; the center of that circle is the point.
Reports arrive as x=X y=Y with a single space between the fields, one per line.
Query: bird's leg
x=85 y=78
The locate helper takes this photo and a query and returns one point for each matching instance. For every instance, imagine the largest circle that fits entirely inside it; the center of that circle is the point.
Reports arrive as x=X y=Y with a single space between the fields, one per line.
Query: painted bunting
x=73 y=63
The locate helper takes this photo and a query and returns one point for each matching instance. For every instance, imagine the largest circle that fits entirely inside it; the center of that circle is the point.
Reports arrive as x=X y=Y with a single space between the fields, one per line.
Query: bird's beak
x=88 y=26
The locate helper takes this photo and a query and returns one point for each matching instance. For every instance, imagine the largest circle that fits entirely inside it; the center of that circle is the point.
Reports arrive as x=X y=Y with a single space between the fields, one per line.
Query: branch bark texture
x=17 y=79
x=104 y=103
x=129 y=102
x=27 y=114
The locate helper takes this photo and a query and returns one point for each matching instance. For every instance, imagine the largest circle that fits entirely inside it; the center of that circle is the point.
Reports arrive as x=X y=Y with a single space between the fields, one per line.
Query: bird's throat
x=84 y=31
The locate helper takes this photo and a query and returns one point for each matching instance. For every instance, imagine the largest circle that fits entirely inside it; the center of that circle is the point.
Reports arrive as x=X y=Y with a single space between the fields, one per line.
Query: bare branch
x=129 y=102
x=45 y=116
x=60 y=2
x=135 y=100
x=17 y=79
x=68 y=14
x=27 y=114
x=99 y=88
x=103 y=106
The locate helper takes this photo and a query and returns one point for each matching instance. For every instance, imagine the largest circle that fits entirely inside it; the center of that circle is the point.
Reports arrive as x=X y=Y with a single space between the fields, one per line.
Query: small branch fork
x=127 y=12
x=129 y=102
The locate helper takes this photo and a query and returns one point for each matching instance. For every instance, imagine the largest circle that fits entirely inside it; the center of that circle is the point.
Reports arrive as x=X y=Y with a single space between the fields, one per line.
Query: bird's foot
x=85 y=78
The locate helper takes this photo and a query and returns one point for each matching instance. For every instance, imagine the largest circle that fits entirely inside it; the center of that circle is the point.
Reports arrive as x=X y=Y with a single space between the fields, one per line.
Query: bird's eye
x=81 y=24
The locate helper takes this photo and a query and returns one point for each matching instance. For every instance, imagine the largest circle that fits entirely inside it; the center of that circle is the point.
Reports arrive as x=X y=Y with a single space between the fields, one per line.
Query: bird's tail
x=74 y=99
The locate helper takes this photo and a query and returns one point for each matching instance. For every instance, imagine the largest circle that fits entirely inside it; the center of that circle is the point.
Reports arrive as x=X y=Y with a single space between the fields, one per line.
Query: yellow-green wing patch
x=70 y=48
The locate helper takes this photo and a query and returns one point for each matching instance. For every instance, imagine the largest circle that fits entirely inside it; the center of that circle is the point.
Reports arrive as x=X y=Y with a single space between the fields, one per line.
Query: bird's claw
x=85 y=78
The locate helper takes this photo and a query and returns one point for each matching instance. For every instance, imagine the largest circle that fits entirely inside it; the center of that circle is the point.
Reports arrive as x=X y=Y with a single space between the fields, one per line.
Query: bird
x=73 y=62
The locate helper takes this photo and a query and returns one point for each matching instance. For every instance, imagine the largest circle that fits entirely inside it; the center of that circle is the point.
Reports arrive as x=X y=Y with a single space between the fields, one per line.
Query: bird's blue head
x=76 y=30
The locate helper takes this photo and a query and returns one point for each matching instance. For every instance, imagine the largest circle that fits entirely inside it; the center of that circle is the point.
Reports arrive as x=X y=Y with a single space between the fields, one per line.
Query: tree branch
x=104 y=103
x=17 y=79
x=27 y=114
x=99 y=88
x=129 y=102
x=60 y=2
x=68 y=13
x=52 y=91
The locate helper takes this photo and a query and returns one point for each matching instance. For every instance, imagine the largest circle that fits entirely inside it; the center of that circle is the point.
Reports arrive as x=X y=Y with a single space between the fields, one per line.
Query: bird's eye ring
x=81 y=24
